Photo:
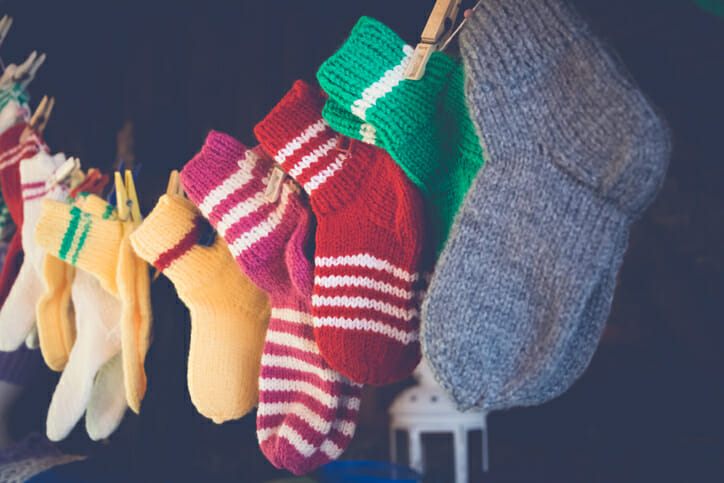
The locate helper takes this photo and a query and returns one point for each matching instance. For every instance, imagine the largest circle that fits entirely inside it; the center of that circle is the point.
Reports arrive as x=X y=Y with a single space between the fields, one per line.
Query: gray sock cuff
x=515 y=36
x=538 y=79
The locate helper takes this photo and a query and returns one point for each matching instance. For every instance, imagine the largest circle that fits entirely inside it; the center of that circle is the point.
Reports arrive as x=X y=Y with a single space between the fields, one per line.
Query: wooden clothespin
x=40 y=118
x=63 y=173
x=438 y=29
x=5 y=24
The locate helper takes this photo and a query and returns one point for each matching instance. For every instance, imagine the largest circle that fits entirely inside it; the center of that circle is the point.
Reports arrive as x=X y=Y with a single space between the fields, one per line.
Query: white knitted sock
x=17 y=316
x=98 y=317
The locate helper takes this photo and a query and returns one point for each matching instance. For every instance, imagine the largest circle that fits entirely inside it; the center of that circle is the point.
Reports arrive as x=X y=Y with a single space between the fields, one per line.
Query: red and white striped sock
x=307 y=411
x=368 y=242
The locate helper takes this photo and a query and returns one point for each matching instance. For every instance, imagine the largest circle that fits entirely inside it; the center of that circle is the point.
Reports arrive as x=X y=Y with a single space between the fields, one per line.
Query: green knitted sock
x=424 y=125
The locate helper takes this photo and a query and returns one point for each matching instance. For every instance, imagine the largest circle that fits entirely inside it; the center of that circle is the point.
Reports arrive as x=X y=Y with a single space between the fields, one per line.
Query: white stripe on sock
x=365 y=303
x=383 y=86
x=271 y=384
x=289 y=315
x=336 y=281
x=314 y=420
x=262 y=230
x=293 y=341
x=375 y=326
x=366 y=260
x=295 y=144
x=311 y=158
x=289 y=362
x=235 y=181
x=321 y=177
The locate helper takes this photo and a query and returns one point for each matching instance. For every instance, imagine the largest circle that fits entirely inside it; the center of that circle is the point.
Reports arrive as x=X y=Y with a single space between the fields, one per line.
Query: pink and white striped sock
x=307 y=411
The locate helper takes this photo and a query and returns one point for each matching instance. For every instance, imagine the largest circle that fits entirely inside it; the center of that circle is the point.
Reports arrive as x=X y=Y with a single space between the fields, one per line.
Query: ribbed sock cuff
x=299 y=139
x=171 y=231
x=81 y=239
x=34 y=174
x=366 y=75
x=518 y=36
x=220 y=168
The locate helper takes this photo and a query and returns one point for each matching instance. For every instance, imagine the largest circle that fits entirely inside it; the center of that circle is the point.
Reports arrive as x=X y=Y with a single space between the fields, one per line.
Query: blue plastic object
x=366 y=472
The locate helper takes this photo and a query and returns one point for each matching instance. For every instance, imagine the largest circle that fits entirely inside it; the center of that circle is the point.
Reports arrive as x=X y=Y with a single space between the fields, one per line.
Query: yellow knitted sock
x=134 y=288
x=82 y=239
x=55 y=319
x=229 y=314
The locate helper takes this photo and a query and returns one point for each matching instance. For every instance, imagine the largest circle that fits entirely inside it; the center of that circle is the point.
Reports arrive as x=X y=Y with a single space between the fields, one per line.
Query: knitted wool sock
x=56 y=320
x=17 y=317
x=107 y=403
x=368 y=241
x=55 y=317
x=307 y=411
x=87 y=241
x=11 y=154
x=98 y=340
x=134 y=288
x=424 y=124
x=549 y=215
x=229 y=314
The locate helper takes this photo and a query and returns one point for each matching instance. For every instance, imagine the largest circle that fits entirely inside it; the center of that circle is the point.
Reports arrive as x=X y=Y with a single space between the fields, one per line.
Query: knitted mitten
x=307 y=411
x=522 y=290
x=11 y=153
x=17 y=317
x=368 y=241
x=134 y=288
x=424 y=124
x=229 y=314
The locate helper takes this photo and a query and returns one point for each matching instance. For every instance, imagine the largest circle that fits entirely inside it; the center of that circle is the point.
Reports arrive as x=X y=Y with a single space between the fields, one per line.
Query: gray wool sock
x=574 y=153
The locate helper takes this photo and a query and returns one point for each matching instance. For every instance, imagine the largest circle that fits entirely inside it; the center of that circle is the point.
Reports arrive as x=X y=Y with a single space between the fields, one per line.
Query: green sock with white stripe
x=424 y=125
x=85 y=240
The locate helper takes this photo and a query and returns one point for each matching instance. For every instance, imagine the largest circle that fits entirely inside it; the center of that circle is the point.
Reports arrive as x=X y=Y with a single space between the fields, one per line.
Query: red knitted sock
x=11 y=153
x=368 y=241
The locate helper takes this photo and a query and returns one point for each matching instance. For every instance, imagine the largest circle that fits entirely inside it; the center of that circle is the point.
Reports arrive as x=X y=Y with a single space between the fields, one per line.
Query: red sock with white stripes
x=12 y=152
x=368 y=241
x=307 y=411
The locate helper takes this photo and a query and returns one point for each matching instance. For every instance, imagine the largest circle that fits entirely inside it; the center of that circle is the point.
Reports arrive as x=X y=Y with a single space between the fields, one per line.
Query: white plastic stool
x=426 y=408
